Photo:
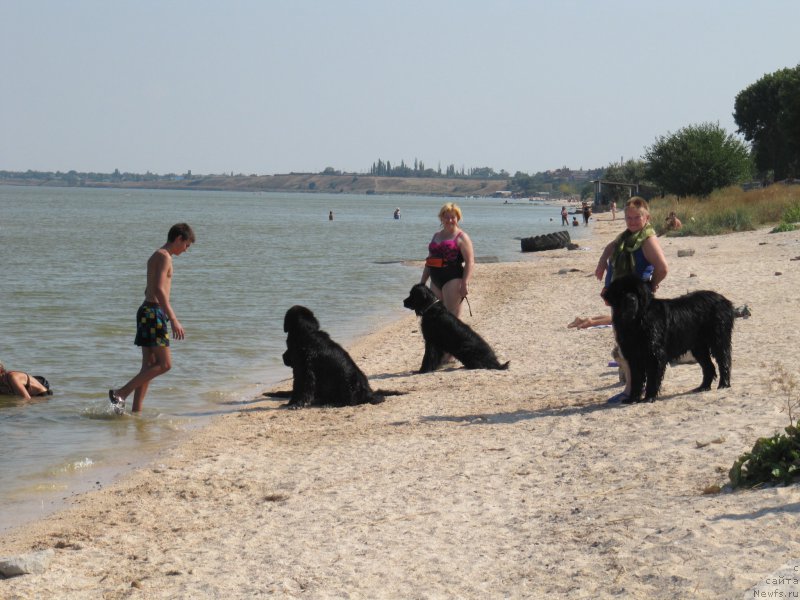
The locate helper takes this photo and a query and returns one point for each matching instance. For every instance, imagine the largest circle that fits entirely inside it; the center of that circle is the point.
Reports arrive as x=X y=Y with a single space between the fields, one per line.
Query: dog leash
x=468 y=305
x=430 y=306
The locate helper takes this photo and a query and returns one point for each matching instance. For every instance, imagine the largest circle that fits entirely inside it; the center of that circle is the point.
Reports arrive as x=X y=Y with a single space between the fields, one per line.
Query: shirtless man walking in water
x=152 y=318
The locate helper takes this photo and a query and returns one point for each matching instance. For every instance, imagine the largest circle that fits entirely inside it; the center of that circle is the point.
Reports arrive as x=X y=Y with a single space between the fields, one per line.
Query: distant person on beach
x=673 y=222
x=450 y=260
x=564 y=216
x=575 y=221
x=635 y=251
x=587 y=212
x=396 y=213
x=19 y=383
x=613 y=211
x=152 y=319
x=330 y=216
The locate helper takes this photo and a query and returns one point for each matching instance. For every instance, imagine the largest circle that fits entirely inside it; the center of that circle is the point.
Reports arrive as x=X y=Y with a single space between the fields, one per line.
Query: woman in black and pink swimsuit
x=450 y=260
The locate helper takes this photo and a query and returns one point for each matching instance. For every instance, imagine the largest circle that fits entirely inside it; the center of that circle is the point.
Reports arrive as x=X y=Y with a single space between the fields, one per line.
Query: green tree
x=522 y=182
x=697 y=160
x=631 y=171
x=768 y=115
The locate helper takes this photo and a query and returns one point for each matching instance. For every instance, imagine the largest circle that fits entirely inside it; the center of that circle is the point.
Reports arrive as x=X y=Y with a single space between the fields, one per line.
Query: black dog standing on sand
x=651 y=332
x=445 y=334
x=323 y=372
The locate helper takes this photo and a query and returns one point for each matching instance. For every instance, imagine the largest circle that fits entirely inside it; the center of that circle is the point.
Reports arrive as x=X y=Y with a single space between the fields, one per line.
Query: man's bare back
x=159 y=275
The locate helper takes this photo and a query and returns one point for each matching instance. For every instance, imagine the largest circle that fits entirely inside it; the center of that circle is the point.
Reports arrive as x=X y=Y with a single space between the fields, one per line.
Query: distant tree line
x=385 y=169
x=79 y=178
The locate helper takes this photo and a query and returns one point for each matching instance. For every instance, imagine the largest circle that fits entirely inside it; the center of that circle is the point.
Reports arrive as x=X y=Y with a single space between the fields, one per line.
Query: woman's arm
x=16 y=380
x=465 y=245
x=655 y=256
x=602 y=264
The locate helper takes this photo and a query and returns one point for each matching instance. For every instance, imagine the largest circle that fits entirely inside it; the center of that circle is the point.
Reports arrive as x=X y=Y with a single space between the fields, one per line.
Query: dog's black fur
x=651 y=332
x=323 y=372
x=444 y=333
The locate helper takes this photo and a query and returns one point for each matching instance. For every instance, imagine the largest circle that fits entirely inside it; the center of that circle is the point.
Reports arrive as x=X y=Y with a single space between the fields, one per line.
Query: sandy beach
x=473 y=484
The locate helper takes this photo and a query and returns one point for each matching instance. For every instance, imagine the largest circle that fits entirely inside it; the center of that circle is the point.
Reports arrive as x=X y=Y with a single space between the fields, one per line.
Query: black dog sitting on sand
x=445 y=334
x=651 y=332
x=323 y=372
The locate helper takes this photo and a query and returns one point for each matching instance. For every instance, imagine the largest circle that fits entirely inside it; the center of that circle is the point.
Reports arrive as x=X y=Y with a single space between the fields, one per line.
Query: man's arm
x=162 y=269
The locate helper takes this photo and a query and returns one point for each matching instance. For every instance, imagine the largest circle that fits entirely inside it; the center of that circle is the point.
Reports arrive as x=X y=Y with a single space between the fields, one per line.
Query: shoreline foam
x=474 y=484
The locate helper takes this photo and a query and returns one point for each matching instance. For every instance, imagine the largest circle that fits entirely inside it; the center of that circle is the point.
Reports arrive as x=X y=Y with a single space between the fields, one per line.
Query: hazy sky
x=274 y=86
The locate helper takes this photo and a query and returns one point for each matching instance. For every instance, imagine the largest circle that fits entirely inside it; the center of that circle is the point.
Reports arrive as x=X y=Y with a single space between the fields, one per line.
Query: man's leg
x=156 y=361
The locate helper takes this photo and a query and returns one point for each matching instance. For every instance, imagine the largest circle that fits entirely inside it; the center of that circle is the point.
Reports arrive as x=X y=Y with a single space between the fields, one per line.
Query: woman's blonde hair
x=639 y=204
x=450 y=207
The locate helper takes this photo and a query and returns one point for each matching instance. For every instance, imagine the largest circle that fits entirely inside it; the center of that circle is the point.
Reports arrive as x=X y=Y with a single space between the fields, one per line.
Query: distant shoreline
x=299 y=183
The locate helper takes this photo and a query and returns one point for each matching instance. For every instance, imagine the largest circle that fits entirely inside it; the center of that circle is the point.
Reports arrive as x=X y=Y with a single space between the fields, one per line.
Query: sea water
x=72 y=274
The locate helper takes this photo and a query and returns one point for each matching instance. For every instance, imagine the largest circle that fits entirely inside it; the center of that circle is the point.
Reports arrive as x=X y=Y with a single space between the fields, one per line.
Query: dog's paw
x=701 y=388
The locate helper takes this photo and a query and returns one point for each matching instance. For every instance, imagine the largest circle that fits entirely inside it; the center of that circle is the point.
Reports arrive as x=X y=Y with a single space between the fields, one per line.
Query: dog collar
x=431 y=305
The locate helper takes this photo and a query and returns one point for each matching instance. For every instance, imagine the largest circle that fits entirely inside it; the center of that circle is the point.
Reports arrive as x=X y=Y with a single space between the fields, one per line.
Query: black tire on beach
x=548 y=241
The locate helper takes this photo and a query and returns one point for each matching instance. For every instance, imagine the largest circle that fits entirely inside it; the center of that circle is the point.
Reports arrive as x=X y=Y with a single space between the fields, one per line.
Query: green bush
x=783 y=227
x=775 y=459
x=792 y=214
x=771 y=461
x=716 y=223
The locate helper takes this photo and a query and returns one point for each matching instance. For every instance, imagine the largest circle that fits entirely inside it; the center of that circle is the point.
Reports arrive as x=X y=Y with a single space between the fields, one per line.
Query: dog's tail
x=279 y=394
x=379 y=396
x=504 y=366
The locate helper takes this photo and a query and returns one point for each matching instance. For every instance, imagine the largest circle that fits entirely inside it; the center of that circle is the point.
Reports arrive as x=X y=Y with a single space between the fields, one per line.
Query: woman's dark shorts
x=441 y=275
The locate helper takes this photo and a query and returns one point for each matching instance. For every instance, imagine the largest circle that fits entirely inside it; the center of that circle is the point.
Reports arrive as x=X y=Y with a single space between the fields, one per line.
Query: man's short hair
x=181 y=230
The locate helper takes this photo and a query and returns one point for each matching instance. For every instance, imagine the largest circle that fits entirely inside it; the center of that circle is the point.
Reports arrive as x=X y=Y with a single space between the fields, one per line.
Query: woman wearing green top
x=635 y=251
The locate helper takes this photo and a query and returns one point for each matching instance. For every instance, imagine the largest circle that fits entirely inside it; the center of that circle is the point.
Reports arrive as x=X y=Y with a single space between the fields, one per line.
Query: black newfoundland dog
x=323 y=372
x=444 y=333
x=651 y=332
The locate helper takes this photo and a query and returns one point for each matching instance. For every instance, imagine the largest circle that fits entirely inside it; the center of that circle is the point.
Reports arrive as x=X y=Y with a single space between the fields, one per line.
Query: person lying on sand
x=585 y=322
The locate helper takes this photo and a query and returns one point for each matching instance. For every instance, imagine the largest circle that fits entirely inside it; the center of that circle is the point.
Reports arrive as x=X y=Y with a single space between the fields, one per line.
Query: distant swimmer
x=396 y=213
x=330 y=216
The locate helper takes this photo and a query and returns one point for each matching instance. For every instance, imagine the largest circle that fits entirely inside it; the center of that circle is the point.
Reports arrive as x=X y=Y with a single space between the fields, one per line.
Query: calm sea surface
x=72 y=274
